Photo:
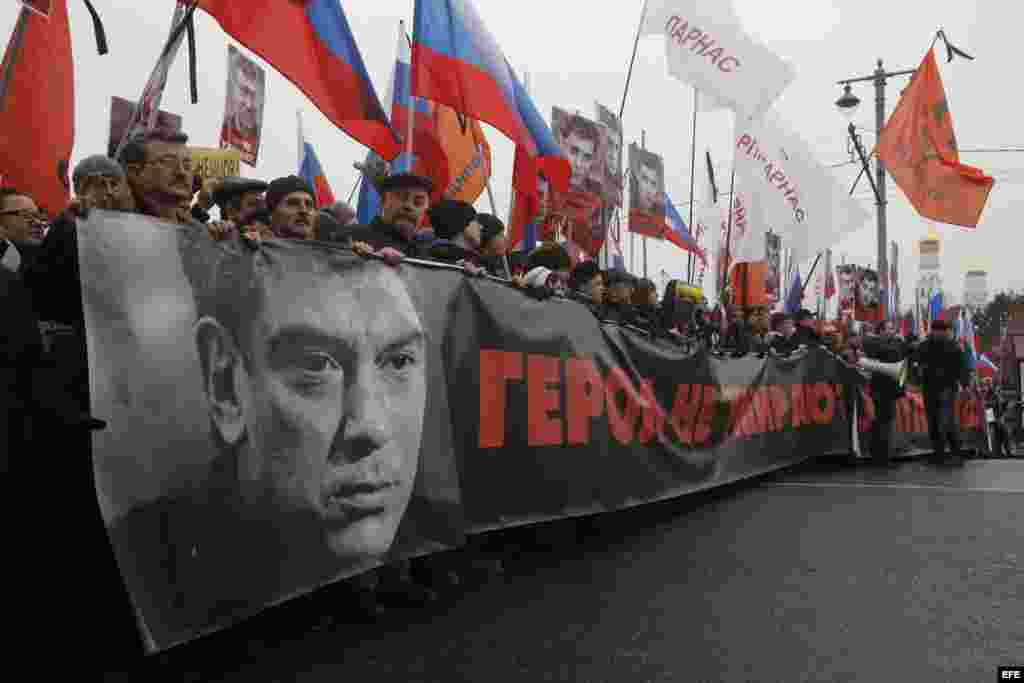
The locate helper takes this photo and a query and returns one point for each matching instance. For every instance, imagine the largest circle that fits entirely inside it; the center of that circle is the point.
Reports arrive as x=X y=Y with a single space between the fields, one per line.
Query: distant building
x=930 y=276
x=976 y=289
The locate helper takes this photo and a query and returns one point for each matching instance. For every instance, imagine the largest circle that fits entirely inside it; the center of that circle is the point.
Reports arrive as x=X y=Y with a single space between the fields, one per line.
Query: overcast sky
x=577 y=51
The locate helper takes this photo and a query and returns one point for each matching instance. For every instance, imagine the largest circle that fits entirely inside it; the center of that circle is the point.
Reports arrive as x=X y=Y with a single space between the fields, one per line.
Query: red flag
x=311 y=44
x=919 y=150
x=37 y=108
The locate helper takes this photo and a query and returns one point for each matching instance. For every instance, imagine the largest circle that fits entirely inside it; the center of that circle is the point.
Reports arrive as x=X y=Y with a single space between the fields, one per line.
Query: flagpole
x=632 y=60
x=359 y=181
x=622 y=109
x=810 y=274
x=411 y=108
x=643 y=238
x=728 y=236
x=693 y=175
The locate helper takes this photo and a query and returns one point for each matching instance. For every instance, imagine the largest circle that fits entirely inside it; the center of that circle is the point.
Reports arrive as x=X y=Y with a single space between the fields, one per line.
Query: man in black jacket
x=586 y=285
x=943 y=370
x=884 y=346
x=20 y=351
x=404 y=199
x=806 y=335
x=493 y=246
x=458 y=233
x=618 y=296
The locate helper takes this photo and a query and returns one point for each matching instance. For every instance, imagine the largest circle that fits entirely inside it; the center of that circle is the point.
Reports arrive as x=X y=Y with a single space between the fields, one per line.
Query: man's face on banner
x=247 y=102
x=846 y=282
x=647 y=185
x=869 y=291
x=613 y=152
x=328 y=409
x=581 y=152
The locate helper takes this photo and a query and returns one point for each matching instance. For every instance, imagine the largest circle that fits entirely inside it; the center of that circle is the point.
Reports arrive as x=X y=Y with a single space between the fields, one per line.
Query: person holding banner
x=459 y=234
x=292 y=206
x=943 y=369
x=405 y=198
x=493 y=245
x=238 y=197
x=161 y=175
x=887 y=348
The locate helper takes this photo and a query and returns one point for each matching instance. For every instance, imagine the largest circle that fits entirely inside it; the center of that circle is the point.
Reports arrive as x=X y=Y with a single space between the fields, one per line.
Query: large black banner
x=286 y=415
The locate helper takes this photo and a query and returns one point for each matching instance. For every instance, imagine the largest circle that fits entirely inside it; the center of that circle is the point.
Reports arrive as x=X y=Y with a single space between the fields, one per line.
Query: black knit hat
x=282 y=187
x=405 y=181
x=552 y=256
x=491 y=227
x=584 y=272
x=449 y=217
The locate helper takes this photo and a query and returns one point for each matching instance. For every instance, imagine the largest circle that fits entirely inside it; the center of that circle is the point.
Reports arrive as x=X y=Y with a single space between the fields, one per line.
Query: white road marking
x=878 y=485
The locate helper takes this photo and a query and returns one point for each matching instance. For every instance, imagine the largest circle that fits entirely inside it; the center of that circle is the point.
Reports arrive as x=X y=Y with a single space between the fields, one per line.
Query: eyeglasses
x=172 y=163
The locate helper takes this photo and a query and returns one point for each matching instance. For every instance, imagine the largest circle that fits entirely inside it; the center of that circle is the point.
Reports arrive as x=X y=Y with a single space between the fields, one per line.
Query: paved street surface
x=821 y=573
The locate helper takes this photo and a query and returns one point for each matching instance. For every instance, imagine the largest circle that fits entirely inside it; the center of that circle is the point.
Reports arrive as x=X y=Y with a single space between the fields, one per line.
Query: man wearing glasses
x=22 y=227
x=160 y=174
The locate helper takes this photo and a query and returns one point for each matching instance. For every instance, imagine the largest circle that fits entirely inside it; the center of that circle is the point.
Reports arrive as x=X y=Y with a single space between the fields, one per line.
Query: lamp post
x=847 y=104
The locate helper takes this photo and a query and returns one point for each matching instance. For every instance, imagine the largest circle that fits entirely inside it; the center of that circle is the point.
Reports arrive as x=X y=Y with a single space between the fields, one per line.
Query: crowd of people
x=44 y=392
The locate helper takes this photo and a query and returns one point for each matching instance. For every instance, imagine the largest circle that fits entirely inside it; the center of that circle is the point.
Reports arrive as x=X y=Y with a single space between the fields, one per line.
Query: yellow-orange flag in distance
x=919 y=150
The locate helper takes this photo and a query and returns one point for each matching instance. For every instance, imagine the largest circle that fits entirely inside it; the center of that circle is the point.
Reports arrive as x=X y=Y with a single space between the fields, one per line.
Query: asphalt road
x=815 y=574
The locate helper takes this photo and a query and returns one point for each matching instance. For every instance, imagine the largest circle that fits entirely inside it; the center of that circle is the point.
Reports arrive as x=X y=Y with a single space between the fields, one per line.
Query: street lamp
x=847 y=104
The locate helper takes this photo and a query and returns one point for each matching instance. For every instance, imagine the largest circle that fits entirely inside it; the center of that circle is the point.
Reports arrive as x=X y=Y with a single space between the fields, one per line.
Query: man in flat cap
x=457 y=230
x=404 y=199
x=292 y=206
x=238 y=197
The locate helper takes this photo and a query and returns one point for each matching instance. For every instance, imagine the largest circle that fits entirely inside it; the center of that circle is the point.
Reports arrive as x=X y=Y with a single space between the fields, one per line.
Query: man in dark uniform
x=943 y=369
x=404 y=199
x=886 y=347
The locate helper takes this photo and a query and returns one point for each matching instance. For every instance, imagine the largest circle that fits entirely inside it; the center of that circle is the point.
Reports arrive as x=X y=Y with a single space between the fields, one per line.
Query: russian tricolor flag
x=678 y=234
x=425 y=155
x=311 y=44
x=457 y=62
x=311 y=171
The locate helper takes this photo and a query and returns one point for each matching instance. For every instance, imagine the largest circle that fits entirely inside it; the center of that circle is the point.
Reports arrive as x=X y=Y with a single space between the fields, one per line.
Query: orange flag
x=469 y=156
x=748 y=280
x=37 y=107
x=919 y=149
